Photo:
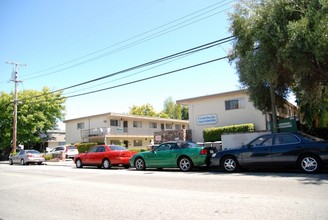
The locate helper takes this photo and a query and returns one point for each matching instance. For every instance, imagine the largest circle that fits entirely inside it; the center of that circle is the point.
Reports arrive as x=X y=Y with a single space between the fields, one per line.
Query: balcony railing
x=117 y=131
x=95 y=132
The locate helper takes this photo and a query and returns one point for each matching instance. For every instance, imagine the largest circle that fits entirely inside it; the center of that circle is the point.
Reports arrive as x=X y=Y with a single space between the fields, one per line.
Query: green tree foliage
x=284 y=44
x=37 y=112
x=145 y=110
x=172 y=109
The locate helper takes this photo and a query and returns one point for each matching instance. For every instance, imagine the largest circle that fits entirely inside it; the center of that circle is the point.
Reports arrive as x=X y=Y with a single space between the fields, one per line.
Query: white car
x=70 y=151
x=25 y=157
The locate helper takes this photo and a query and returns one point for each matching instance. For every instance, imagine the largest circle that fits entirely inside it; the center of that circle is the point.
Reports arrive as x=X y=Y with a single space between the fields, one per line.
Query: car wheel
x=40 y=163
x=230 y=164
x=185 y=164
x=79 y=163
x=22 y=162
x=11 y=162
x=139 y=164
x=106 y=164
x=309 y=164
x=126 y=166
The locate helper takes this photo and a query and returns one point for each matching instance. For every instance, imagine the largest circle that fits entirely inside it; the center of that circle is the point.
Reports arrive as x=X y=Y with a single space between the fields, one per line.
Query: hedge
x=83 y=147
x=214 y=134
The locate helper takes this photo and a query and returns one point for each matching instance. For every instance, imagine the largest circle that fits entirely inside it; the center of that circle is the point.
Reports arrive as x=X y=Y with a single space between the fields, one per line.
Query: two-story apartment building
x=115 y=128
x=228 y=108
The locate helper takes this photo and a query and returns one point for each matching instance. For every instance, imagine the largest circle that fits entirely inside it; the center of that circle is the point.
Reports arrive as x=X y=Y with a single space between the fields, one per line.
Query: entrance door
x=125 y=126
x=126 y=143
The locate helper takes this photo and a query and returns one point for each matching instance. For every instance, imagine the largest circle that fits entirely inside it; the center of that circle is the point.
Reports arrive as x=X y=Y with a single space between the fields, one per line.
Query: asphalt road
x=65 y=192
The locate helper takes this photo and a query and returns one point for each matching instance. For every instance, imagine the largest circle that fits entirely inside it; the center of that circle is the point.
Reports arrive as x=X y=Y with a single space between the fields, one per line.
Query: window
x=177 y=127
x=152 y=125
x=80 y=125
x=235 y=104
x=101 y=149
x=137 y=124
x=163 y=147
x=168 y=126
x=137 y=143
x=285 y=139
x=262 y=141
x=114 y=122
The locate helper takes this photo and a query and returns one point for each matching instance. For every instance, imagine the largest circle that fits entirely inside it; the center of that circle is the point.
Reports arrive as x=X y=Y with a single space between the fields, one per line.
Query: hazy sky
x=67 y=42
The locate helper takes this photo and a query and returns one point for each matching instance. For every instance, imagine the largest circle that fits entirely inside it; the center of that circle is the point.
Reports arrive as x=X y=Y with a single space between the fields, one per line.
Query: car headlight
x=213 y=155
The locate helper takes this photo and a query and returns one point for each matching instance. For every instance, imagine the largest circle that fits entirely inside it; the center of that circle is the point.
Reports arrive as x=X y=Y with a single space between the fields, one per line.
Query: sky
x=67 y=42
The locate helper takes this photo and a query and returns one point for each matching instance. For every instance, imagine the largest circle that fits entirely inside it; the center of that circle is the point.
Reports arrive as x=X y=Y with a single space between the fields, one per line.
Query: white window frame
x=80 y=125
x=137 y=124
x=239 y=103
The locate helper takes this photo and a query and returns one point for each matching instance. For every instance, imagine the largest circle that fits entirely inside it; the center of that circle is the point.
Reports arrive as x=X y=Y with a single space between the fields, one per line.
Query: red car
x=104 y=156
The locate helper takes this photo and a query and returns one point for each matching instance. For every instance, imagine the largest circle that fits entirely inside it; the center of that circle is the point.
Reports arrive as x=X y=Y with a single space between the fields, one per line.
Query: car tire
x=40 y=163
x=79 y=163
x=230 y=164
x=185 y=164
x=126 y=166
x=139 y=164
x=309 y=164
x=11 y=162
x=106 y=164
x=22 y=162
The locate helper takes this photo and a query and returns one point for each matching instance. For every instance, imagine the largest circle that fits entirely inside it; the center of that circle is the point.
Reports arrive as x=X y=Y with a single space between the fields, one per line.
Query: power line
x=160 y=33
x=176 y=55
x=140 y=80
x=148 y=78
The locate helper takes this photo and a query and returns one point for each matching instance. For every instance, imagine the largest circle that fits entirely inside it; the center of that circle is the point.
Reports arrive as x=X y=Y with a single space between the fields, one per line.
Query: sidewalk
x=68 y=162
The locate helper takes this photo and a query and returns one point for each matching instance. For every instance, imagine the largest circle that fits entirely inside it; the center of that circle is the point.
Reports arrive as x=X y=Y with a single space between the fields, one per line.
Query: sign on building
x=207 y=119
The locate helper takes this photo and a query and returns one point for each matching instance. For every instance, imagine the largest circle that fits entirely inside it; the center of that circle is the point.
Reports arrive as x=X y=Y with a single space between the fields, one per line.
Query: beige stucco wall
x=215 y=105
x=145 y=134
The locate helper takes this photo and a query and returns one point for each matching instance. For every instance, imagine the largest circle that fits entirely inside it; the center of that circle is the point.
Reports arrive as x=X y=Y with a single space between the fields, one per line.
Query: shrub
x=48 y=157
x=214 y=134
x=83 y=147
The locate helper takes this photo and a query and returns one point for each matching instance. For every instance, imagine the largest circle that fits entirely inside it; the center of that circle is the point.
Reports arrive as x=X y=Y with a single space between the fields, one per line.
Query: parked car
x=70 y=151
x=25 y=157
x=104 y=156
x=305 y=152
x=183 y=155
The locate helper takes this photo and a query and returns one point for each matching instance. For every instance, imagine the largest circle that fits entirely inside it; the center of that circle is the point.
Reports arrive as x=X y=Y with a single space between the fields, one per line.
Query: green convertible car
x=184 y=155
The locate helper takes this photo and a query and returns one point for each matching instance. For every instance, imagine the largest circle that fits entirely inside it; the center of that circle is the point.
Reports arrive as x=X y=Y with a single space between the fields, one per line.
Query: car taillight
x=203 y=151
x=29 y=155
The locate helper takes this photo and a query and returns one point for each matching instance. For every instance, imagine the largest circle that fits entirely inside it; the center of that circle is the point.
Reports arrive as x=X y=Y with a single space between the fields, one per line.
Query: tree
x=172 y=109
x=37 y=112
x=145 y=110
x=282 y=45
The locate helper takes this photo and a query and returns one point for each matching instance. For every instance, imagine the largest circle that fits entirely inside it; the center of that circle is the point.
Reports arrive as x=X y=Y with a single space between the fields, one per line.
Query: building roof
x=186 y=101
x=122 y=115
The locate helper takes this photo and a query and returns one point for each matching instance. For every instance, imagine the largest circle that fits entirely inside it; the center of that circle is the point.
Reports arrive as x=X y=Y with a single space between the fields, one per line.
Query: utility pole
x=15 y=80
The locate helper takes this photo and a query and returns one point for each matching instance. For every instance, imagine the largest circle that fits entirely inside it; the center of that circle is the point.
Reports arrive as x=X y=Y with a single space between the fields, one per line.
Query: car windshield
x=32 y=152
x=311 y=138
x=71 y=147
x=189 y=145
x=115 y=147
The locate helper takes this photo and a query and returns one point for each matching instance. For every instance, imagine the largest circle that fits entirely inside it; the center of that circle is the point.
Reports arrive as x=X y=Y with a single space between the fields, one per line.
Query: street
x=65 y=192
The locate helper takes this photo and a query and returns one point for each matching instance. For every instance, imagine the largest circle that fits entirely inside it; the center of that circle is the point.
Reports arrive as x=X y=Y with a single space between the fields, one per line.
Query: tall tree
x=172 y=109
x=282 y=45
x=145 y=110
x=37 y=112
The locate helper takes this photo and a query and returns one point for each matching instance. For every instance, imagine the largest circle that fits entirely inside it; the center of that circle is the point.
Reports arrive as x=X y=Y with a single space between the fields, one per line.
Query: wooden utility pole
x=15 y=80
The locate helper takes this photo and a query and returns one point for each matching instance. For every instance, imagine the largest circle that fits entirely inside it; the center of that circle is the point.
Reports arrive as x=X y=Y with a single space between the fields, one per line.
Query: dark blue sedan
x=305 y=152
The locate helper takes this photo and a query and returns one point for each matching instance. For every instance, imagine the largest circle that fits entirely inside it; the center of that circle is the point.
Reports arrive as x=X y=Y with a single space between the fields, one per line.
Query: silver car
x=26 y=157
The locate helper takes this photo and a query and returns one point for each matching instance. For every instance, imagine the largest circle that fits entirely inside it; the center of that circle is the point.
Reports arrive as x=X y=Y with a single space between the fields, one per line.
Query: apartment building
x=116 y=128
x=229 y=108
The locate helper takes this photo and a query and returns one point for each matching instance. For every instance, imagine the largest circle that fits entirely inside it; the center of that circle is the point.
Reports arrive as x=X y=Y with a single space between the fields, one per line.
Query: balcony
x=95 y=132
x=117 y=132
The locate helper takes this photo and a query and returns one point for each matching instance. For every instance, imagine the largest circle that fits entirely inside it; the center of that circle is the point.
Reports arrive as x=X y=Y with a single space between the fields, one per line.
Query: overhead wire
x=160 y=33
x=169 y=57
